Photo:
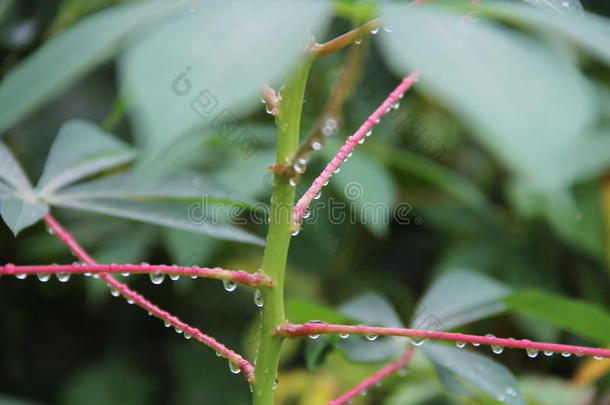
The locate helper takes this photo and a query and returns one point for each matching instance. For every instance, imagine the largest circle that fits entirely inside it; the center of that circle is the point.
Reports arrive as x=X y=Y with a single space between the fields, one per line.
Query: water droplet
x=371 y=336
x=63 y=277
x=597 y=357
x=374 y=31
x=317 y=195
x=416 y=341
x=50 y=230
x=476 y=344
x=130 y=301
x=295 y=233
x=178 y=330
x=306 y=214
x=387 y=29
x=44 y=277
x=495 y=348
x=114 y=291
x=511 y=392
x=292 y=182
x=326 y=183
x=361 y=141
x=548 y=353
x=187 y=336
x=157 y=278
x=396 y=105
x=358 y=41
x=218 y=354
x=363 y=393
x=234 y=367
x=460 y=345
x=299 y=168
x=343 y=335
x=315 y=145
x=21 y=276
x=125 y=274
x=229 y=285
x=174 y=277
x=166 y=324
x=258 y=298
x=337 y=170
x=566 y=355
x=369 y=133
x=314 y=336
x=532 y=353
x=402 y=372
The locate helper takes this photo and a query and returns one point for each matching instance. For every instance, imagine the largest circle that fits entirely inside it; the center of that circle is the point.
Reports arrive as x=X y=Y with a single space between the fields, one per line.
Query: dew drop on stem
x=234 y=367
x=63 y=277
x=44 y=277
x=174 y=277
x=258 y=298
x=416 y=341
x=229 y=285
x=532 y=353
x=157 y=277
x=114 y=292
x=548 y=353
x=460 y=345
x=371 y=336
x=21 y=276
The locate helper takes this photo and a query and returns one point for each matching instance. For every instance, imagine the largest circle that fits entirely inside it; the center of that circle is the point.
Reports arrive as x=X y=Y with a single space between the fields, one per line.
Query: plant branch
x=133 y=296
x=340 y=42
x=374 y=378
x=295 y=330
x=239 y=276
x=333 y=109
x=278 y=238
x=348 y=147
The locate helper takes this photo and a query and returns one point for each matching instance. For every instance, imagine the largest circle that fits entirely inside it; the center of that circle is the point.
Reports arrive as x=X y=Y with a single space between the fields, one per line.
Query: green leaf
x=211 y=219
x=458 y=297
x=563 y=6
x=249 y=176
x=524 y=103
x=80 y=150
x=576 y=316
x=19 y=214
x=589 y=31
x=67 y=57
x=12 y=177
x=371 y=309
x=213 y=62
x=185 y=186
x=480 y=371
x=367 y=185
x=187 y=248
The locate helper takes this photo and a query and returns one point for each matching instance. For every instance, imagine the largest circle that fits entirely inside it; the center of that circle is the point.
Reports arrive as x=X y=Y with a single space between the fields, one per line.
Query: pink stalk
x=348 y=147
x=374 y=378
x=239 y=276
x=294 y=330
x=244 y=365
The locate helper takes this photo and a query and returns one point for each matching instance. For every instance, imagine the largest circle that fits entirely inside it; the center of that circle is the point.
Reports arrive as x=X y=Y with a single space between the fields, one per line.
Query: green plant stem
x=278 y=239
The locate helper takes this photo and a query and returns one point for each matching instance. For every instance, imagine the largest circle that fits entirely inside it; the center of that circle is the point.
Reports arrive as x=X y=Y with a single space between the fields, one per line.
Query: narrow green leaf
x=579 y=317
x=213 y=219
x=80 y=150
x=458 y=297
x=185 y=186
x=480 y=371
x=201 y=80
x=70 y=55
x=19 y=214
